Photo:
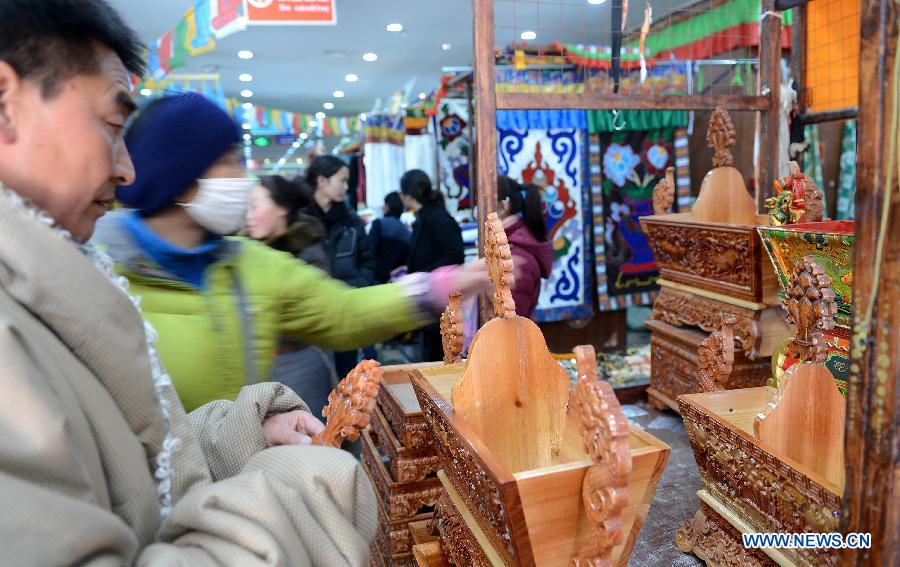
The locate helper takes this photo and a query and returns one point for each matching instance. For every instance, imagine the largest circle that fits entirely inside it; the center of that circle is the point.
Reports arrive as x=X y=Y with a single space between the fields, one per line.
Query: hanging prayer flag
x=179 y=45
x=199 y=38
x=165 y=52
x=228 y=16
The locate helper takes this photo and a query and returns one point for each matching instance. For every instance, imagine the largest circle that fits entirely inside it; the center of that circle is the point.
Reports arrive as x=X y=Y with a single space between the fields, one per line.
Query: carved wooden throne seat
x=536 y=474
x=771 y=460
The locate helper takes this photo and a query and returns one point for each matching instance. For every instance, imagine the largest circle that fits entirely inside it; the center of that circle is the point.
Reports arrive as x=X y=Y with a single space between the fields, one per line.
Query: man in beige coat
x=99 y=464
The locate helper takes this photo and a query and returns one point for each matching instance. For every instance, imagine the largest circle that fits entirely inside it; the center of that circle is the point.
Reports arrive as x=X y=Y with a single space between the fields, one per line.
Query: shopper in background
x=274 y=218
x=99 y=465
x=521 y=209
x=351 y=256
x=389 y=238
x=436 y=241
x=222 y=304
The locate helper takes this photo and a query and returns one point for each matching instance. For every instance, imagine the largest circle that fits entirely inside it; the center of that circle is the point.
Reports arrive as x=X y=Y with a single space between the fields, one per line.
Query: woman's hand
x=292 y=428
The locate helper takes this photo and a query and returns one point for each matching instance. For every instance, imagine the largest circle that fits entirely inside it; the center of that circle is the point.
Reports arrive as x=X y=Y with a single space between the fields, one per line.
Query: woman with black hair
x=436 y=242
x=349 y=252
x=521 y=209
x=274 y=218
x=389 y=238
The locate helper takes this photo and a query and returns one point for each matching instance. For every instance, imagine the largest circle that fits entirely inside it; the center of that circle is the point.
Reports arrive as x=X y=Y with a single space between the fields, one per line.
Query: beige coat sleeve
x=230 y=433
x=288 y=506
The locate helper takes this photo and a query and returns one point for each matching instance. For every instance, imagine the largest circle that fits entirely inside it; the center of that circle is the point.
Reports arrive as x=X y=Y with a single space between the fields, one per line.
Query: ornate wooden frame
x=405 y=465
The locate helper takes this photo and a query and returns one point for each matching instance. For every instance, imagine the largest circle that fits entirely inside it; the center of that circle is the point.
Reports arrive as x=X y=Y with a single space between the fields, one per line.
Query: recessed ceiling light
x=295 y=145
x=282 y=161
x=246 y=93
x=370 y=57
x=320 y=115
x=338 y=94
x=446 y=46
x=247 y=137
x=422 y=96
x=247 y=106
x=146 y=92
x=267 y=161
x=245 y=77
x=299 y=160
x=395 y=27
x=246 y=126
x=328 y=105
x=528 y=35
x=351 y=78
x=245 y=54
x=596 y=1
x=304 y=135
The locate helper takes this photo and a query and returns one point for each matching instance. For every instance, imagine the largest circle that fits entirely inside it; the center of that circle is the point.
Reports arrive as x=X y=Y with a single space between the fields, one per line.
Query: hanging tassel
x=737 y=80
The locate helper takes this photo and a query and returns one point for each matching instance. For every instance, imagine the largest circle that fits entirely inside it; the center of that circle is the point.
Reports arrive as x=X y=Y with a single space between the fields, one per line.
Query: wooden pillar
x=485 y=182
x=872 y=494
x=769 y=154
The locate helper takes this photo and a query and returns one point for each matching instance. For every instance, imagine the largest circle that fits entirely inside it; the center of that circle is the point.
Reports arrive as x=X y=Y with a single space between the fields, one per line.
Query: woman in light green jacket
x=219 y=303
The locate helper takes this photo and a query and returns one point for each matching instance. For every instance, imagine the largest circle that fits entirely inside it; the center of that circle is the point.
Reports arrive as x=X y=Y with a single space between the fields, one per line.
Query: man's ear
x=10 y=87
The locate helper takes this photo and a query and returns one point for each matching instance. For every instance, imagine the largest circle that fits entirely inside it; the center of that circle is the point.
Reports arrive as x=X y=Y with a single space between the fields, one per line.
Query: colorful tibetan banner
x=625 y=167
x=200 y=38
x=227 y=17
x=549 y=148
x=454 y=149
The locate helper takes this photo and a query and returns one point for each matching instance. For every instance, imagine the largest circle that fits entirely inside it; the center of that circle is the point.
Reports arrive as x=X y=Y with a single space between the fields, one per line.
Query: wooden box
x=673 y=365
x=748 y=483
x=402 y=501
x=722 y=258
x=405 y=465
x=400 y=408
x=525 y=515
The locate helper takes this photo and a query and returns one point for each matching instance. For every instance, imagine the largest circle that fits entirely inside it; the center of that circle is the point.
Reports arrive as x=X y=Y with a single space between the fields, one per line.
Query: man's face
x=67 y=153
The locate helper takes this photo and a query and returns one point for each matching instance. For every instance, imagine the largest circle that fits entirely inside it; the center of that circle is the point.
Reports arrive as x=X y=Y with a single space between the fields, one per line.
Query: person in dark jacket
x=351 y=256
x=389 y=238
x=521 y=210
x=274 y=218
x=436 y=242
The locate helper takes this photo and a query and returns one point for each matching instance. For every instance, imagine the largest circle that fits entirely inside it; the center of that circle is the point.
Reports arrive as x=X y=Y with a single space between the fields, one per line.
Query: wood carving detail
x=605 y=485
x=714 y=543
x=720 y=136
x=673 y=369
x=404 y=466
x=715 y=358
x=350 y=405
x=475 y=486
x=452 y=329
x=797 y=199
x=500 y=266
x=457 y=542
x=404 y=501
x=680 y=309
x=704 y=257
x=664 y=193
x=811 y=306
x=764 y=491
x=412 y=430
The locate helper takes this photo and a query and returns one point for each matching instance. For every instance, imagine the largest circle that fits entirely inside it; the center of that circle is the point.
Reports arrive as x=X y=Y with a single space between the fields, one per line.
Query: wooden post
x=769 y=154
x=872 y=494
x=798 y=60
x=485 y=183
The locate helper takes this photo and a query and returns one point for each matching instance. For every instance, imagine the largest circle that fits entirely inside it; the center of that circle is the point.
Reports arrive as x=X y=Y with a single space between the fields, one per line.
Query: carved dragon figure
x=715 y=357
x=798 y=200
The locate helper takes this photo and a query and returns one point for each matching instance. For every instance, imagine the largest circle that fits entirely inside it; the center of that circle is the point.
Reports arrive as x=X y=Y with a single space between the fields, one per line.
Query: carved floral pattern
x=350 y=405
x=457 y=542
x=500 y=266
x=715 y=358
x=402 y=500
x=412 y=430
x=810 y=304
x=764 y=491
x=452 y=329
x=713 y=540
x=405 y=465
x=720 y=136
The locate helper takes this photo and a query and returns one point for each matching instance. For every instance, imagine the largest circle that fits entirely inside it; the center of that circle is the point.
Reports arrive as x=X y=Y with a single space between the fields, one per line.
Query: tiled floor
x=676 y=498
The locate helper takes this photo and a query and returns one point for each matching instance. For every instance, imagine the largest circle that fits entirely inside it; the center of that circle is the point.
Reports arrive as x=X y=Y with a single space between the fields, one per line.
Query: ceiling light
x=245 y=77
x=247 y=106
x=395 y=27
x=370 y=56
x=351 y=78
x=295 y=145
x=320 y=115
x=445 y=46
x=245 y=54
x=422 y=96
x=304 y=135
x=246 y=93
x=528 y=35
x=247 y=136
x=362 y=116
x=338 y=94
x=596 y=1
x=267 y=161
x=282 y=161
x=328 y=105
x=299 y=160
x=146 y=92
x=246 y=126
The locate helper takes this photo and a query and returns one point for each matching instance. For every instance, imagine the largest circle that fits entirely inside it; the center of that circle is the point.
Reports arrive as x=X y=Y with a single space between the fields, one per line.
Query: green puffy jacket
x=254 y=295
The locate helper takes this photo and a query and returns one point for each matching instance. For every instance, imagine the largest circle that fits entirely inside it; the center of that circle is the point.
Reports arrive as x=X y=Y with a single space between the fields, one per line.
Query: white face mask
x=221 y=204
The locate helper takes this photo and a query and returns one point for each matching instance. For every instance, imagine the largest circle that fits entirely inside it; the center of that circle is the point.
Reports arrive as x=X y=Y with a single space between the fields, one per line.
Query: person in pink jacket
x=521 y=209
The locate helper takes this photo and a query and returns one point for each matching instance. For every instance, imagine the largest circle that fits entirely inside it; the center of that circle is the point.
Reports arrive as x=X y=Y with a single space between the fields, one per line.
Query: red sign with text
x=292 y=12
